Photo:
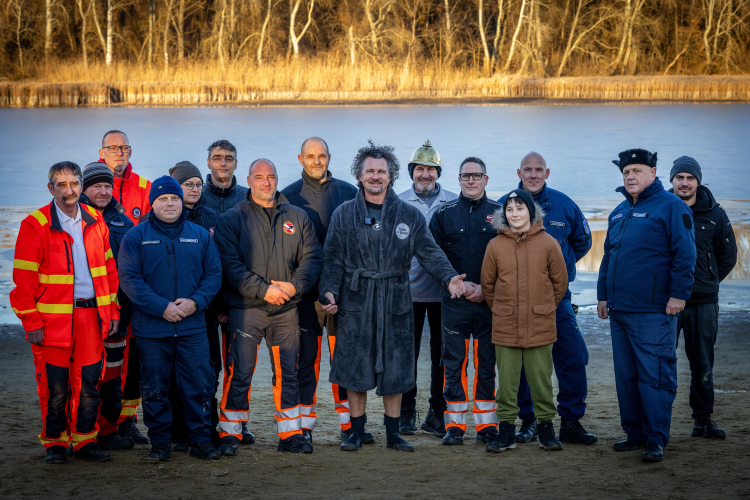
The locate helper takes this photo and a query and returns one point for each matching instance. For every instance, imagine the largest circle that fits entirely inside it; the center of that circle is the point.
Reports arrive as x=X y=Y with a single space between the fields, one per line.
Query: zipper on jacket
x=174 y=254
x=653 y=289
x=169 y=264
x=67 y=255
x=614 y=270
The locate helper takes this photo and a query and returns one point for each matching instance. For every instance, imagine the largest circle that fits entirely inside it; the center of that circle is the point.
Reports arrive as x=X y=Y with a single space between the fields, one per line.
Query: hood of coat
x=500 y=223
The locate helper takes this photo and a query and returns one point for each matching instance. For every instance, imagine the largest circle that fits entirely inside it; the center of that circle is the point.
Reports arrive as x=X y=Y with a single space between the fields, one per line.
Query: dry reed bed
x=381 y=88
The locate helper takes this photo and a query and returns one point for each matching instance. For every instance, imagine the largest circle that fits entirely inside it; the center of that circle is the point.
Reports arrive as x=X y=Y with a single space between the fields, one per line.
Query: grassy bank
x=194 y=84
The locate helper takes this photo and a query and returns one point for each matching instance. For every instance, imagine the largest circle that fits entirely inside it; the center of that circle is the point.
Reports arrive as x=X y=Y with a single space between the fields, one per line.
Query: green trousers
x=537 y=363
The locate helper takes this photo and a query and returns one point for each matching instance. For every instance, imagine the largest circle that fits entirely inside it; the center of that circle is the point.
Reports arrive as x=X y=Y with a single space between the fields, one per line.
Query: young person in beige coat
x=524 y=278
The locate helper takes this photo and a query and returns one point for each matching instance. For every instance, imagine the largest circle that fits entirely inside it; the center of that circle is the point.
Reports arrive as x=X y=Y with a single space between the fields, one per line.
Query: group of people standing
x=132 y=291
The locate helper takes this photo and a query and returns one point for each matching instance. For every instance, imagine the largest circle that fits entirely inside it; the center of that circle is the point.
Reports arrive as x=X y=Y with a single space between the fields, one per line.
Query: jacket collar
x=543 y=199
x=704 y=200
x=113 y=206
x=159 y=225
x=315 y=183
x=536 y=227
x=54 y=220
x=441 y=197
x=220 y=192
x=473 y=203
x=280 y=200
x=653 y=188
x=193 y=212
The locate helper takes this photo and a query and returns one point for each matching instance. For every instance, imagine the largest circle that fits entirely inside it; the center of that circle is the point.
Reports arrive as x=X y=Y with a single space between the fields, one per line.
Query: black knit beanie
x=527 y=199
x=689 y=166
x=183 y=171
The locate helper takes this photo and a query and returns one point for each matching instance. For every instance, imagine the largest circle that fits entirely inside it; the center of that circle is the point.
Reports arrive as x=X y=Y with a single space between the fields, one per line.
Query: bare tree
x=376 y=22
x=84 y=18
x=48 y=20
x=499 y=33
x=266 y=21
x=630 y=15
x=293 y=36
x=483 y=36
x=515 y=37
x=448 y=31
x=597 y=16
x=151 y=27
x=110 y=22
x=16 y=8
x=168 y=6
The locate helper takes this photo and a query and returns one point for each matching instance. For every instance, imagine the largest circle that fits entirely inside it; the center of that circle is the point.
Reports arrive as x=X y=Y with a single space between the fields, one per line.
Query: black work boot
x=393 y=437
x=547 y=439
x=114 y=442
x=653 y=453
x=55 y=455
x=434 y=423
x=160 y=451
x=528 y=432
x=628 y=445
x=368 y=437
x=356 y=434
x=505 y=440
x=307 y=434
x=92 y=453
x=229 y=446
x=705 y=427
x=247 y=436
x=294 y=444
x=454 y=437
x=204 y=450
x=408 y=420
x=129 y=429
x=489 y=434
x=571 y=431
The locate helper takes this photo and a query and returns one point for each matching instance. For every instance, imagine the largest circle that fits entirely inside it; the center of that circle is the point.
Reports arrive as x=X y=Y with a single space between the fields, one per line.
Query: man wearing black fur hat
x=645 y=278
x=699 y=321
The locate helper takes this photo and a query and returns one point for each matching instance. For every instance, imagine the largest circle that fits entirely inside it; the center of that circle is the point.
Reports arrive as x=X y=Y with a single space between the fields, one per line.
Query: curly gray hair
x=377 y=152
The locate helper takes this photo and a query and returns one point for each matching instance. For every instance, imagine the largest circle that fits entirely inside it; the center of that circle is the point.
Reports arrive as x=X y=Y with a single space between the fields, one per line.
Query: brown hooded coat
x=523 y=280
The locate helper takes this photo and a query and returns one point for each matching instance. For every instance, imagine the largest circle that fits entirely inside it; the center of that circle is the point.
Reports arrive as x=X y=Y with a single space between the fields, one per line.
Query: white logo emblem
x=402 y=231
x=376 y=226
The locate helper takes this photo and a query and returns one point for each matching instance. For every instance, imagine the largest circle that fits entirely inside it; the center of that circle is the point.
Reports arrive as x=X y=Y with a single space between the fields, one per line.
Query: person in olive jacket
x=524 y=278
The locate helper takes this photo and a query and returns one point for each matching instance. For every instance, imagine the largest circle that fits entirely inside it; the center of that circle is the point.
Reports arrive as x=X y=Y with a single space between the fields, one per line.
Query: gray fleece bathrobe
x=375 y=324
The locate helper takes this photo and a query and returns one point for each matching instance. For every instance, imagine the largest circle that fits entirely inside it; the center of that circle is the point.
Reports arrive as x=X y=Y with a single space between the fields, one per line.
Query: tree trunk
x=482 y=35
x=110 y=22
x=292 y=31
x=48 y=29
x=352 y=53
x=19 y=8
x=220 y=41
x=515 y=38
x=99 y=32
x=151 y=23
x=179 y=28
x=263 y=32
x=373 y=26
x=448 y=31
x=569 y=45
x=499 y=31
x=232 y=24
x=168 y=4
x=84 y=16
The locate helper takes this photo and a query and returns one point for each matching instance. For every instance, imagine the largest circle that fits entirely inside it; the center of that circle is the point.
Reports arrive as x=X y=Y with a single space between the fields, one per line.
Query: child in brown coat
x=524 y=278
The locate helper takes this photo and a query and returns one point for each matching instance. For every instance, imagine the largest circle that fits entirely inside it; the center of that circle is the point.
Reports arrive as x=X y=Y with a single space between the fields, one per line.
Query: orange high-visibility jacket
x=44 y=275
x=132 y=193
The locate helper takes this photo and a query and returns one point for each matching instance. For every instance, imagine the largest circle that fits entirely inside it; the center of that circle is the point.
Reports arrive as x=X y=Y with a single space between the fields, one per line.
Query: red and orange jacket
x=44 y=275
x=132 y=193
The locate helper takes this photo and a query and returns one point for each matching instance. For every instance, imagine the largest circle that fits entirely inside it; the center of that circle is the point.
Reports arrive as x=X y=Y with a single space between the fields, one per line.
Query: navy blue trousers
x=194 y=375
x=645 y=359
x=570 y=357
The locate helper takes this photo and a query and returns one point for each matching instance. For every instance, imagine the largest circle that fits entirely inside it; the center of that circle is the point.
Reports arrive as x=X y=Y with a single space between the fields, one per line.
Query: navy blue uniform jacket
x=156 y=269
x=564 y=221
x=649 y=252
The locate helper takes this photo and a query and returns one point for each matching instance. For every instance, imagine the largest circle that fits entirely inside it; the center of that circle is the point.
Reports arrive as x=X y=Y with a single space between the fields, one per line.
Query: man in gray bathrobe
x=367 y=256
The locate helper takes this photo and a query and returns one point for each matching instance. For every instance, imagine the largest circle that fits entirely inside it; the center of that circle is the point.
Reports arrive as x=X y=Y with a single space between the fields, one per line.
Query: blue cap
x=164 y=185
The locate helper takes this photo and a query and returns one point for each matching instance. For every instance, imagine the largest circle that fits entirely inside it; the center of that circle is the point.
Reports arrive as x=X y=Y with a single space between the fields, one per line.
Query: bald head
x=533 y=172
x=261 y=162
x=312 y=140
x=262 y=180
x=314 y=158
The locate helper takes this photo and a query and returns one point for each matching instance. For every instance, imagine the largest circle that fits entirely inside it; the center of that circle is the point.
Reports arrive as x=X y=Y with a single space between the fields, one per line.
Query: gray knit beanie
x=97 y=172
x=183 y=171
x=685 y=164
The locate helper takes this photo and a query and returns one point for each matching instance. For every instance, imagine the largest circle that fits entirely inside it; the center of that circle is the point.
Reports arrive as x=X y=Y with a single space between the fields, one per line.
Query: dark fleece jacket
x=375 y=328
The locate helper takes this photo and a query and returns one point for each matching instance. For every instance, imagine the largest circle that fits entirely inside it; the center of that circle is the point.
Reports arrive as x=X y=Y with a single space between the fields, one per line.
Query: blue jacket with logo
x=649 y=252
x=156 y=269
x=564 y=221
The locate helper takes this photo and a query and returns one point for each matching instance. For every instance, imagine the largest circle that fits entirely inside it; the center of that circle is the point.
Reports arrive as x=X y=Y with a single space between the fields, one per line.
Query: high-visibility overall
x=132 y=192
x=248 y=327
x=69 y=362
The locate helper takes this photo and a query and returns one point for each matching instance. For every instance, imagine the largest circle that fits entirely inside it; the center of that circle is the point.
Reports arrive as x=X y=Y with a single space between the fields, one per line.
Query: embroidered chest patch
x=490 y=218
x=188 y=240
x=402 y=231
x=640 y=215
x=289 y=228
x=137 y=213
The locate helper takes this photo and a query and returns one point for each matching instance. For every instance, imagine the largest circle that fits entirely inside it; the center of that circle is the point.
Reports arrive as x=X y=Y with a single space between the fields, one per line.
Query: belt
x=81 y=303
x=364 y=273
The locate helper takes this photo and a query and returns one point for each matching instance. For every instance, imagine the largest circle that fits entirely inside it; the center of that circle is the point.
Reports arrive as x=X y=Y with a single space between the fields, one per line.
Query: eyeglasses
x=191 y=185
x=477 y=176
x=113 y=149
x=218 y=158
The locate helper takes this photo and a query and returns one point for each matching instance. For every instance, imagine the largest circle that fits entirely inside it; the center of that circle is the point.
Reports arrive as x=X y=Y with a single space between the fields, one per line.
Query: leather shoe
x=160 y=451
x=353 y=442
x=653 y=453
x=92 y=453
x=454 y=437
x=627 y=445
x=129 y=429
x=528 y=432
x=705 y=427
x=571 y=431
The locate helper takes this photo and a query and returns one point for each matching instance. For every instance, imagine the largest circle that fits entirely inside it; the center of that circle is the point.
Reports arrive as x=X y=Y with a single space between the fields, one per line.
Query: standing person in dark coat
x=716 y=257
x=644 y=280
x=189 y=178
x=98 y=182
x=171 y=271
x=367 y=257
x=318 y=193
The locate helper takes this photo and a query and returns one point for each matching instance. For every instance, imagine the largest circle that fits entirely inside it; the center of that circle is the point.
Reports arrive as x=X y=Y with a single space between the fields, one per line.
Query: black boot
x=55 y=455
x=179 y=447
x=307 y=434
x=653 y=453
x=356 y=435
x=571 y=431
x=247 y=436
x=434 y=423
x=367 y=439
x=489 y=434
x=393 y=437
x=408 y=420
x=705 y=427
x=454 y=437
x=160 y=451
x=528 y=432
x=115 y=442
x=628 y=445
x=547 y=439
x=505 y=440
x=204 y=450
x=294 y=444
x=92 y=453
x=229 y=446
x=129 y=429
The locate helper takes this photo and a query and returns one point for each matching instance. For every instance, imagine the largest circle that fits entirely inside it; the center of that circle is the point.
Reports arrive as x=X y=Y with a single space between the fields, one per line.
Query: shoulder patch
x=688 y=221
x=142 y=182
x=586 y=228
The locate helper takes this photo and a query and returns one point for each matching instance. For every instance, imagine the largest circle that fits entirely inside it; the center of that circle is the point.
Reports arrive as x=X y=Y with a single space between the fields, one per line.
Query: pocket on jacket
x=544 y=309
x=502 y=310
x=667 y=371
x=400 y=298
x=350 y=300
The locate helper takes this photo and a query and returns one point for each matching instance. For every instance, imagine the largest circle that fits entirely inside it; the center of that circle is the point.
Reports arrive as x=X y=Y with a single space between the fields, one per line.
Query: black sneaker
x=653 y=453
x=247 y=436
x=408 y=421
x=204 y=450
x=488 y=435
x=547 y=439
x=229 y=446
x=294 y=444
x=454 y=437
x=505 y=440
x=628 y=445
x=705 y=427
x=55 y=455
x=160 y=451
x=129 y=429
x=353 y=442
x=179 y=447
x=434 y=423
x=367 y=439
x=307 y=434
x=528 y=432
x=92 y=453
x=115 y=442
x=571 y=431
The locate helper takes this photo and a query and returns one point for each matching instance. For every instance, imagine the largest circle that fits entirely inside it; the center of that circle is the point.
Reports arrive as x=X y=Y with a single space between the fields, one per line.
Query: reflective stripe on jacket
x=44 y=274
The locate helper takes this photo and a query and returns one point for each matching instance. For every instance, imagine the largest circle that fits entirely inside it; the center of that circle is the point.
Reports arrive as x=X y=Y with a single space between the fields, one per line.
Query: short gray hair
x=64 y=167
x=222 y=144
x=377 y=152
